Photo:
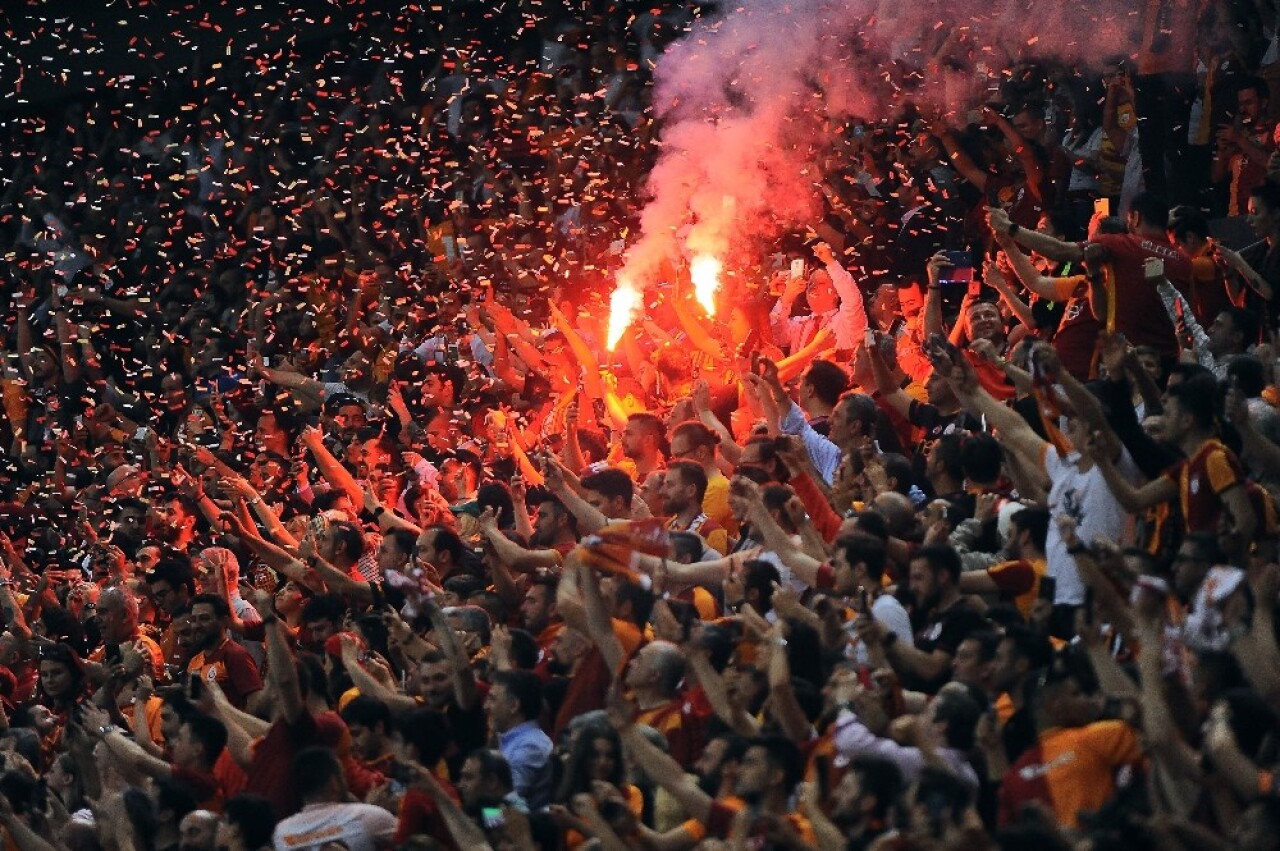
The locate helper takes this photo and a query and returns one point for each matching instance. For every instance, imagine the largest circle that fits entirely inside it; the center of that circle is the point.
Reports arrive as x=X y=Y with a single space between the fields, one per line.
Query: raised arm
x=658 y=766
x=1040 y=243
x=330 y=467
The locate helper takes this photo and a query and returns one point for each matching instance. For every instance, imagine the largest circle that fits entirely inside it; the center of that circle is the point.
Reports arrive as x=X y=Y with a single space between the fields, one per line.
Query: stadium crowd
x=329 y=520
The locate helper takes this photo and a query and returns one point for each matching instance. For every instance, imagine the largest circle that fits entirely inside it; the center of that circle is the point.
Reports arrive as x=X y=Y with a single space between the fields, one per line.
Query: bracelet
x=254 y=501
x=1013 y=228
x=107 y=729
x=379 y=511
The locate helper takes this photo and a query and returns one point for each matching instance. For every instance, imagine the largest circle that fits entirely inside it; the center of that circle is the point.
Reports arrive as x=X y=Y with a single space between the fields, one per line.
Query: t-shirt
x=1140 y=313
x=1077 y=336
x=943 y=631
x=1084 y=496
x=1071 y=769
x=1201 y=481
x=355 y=827
x=232 y=667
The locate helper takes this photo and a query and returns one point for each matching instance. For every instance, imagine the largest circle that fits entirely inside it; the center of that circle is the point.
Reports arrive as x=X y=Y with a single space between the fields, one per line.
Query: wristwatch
x=889 y=640
x=107 y=729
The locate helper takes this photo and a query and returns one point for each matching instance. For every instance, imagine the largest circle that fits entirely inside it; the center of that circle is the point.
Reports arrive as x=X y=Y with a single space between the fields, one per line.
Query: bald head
x=198 y=831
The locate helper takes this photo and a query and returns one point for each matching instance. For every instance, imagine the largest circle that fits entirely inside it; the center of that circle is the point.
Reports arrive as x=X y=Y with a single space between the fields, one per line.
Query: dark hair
x=1247 y=372
x=497 y=496
x=525 y=687
x=1186 y=220
x=425 y=731
x=1198 y=398
x=524 y=648
x=1256 y=83
x=451 y=375
x=347 y=538
x=949 y=452
x=367 y=712
x=577 y=778
x=314 y=769
x=209 y=732
x=330 y=607
x=612 y=483
x=403 y=539
x=863 y=549
x=981 y=457
x=862 y=410
x=961 y=712
x=1245 y=322
x=175 y=568
x=697 y=434
x=686 y=543
x=879 y=778
x=782 y=753
x=941 y=558
x=1033 y=519
x=221 y=609
x=1268 y=192
x=691 y=473
x=140 y=810
x=1152 y=210
x=174 y=796
x=493 y=764
x=760 y=575
x=252 y=816
x=826 y=380
x=944 y=796
x=446 y=539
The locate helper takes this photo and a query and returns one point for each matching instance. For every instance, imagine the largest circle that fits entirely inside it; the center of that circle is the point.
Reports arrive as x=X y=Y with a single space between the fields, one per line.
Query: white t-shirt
x=1097 y=512
x=355 y=827
x=889 y=612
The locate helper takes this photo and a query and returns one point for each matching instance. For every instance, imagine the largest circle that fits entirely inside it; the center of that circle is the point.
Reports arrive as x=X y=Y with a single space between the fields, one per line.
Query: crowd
x=328 y=518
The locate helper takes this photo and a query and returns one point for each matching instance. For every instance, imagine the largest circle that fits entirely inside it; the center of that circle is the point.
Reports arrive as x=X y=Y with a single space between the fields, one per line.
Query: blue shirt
x=528 y=751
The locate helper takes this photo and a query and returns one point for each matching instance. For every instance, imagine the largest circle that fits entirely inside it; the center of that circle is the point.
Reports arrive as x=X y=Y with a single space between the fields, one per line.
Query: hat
x=119 y=474
x=333 y=646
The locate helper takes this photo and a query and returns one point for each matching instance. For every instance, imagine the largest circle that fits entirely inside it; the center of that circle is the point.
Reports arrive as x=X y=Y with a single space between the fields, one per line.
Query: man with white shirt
x=326 y=819
x=835 y=302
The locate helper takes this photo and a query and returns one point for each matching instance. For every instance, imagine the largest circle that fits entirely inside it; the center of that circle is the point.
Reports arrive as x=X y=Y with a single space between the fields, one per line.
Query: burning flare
x=623 y=305
x=704 y=271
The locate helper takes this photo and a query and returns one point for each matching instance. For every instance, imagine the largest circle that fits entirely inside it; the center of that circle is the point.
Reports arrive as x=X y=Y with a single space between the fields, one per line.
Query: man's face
x=967 y=666
x=115 y=625
x=843 y=427
x=197 y=832
x=677 y=497
x=1222 y=335
x=546 y=525
x=437 y=391
x=1249 y=105
x=130 y=523
x=469 y=783
x=390 y=556
x=984 y=322
x=885 y=305
x=1005 y=670
x=166 y=597
x=1261 y=219
x=207 y=626
x=753 y=774
x=437 y=684
x=500 y=708
x=821 y=293
x=322 y=630
x=1029 y=127
x=923 y=583
x=606 y=506
x=633 y=442
x=367 y=742
x=535 y=609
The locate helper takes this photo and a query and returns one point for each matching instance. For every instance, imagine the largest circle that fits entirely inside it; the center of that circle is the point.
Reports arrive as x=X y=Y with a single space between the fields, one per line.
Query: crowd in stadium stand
x=329 y=518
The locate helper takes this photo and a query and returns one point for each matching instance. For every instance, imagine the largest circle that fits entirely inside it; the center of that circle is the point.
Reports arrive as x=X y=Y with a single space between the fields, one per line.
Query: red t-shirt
x=233 y=669
x=1201 y=481
x=1140 y=314
x=1076 y=339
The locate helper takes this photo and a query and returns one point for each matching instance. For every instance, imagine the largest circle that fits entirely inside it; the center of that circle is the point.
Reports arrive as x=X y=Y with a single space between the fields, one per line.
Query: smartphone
x=492 y=818
x=864 y=600
x=113 y=654
x=959 y=268
x=797 y=268
x=975 y=288
x=1153 y=268
x=1102 y=207
x=1048 y=588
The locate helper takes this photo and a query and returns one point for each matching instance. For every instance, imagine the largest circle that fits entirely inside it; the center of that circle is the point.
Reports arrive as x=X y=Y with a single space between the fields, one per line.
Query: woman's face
x=55 y=679
x=602 y=759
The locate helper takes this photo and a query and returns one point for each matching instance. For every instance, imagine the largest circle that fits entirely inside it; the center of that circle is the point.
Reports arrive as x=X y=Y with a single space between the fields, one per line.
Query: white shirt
x=357 y=827
x=1086 y=497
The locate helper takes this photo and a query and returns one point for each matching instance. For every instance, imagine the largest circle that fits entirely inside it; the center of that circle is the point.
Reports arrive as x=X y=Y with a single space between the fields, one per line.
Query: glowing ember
x=704 y=271
x=623 y=305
